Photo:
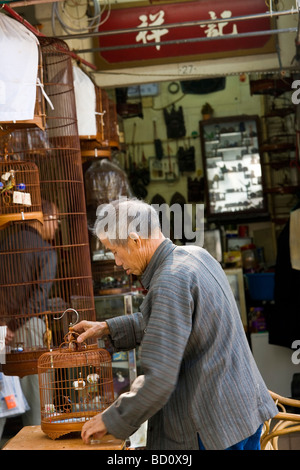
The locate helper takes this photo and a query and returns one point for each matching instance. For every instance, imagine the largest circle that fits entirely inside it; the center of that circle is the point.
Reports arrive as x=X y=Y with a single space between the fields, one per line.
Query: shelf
x=278 y=164
x=282 y=112
x=282 y=190
x=226 y=149
x=270 y=86
x=120 y=364
x=232 y=134
x=278 y=147
x=279 y=221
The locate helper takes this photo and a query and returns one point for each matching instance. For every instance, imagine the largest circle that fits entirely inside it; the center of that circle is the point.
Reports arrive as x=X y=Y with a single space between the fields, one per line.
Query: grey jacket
x=199 y=372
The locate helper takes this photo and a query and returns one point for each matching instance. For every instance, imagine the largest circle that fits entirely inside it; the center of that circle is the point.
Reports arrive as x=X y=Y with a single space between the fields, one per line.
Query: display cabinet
x=233 y=169
x=236 y=281
x=125 y=364
x=109 y=279
x=280 y=158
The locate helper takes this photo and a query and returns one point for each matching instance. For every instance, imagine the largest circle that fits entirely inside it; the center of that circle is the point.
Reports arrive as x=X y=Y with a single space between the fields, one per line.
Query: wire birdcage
x=107 y=137
x=20 y=194
x=114 y=140
x=39 y=279
x=76 y=383
x=105 y=111
x=97 y=145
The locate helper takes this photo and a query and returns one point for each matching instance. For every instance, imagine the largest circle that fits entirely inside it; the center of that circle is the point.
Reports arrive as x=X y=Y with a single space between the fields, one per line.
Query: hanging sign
x=223 y=36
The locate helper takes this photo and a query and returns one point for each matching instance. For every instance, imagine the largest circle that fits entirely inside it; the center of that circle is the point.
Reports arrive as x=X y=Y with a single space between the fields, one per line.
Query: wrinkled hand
x=90 y=329
x=94 y=428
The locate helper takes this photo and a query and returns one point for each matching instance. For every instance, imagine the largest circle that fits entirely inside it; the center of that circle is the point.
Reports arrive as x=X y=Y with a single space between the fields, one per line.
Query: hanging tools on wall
x=159 y=151
x=138 y=173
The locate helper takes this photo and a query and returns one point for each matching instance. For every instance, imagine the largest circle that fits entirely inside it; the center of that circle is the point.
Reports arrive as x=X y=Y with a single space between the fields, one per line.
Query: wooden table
x=33 y=438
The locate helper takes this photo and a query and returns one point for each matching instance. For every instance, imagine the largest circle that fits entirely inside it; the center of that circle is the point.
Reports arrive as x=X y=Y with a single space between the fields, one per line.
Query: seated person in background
x=25 y=284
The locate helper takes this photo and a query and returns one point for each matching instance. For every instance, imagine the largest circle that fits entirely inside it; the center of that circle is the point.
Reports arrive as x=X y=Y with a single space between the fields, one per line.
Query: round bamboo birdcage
x=76 y=383
x=20 y=195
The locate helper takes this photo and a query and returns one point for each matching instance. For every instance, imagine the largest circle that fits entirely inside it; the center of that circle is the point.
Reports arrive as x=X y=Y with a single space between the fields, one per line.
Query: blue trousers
x=250 y=443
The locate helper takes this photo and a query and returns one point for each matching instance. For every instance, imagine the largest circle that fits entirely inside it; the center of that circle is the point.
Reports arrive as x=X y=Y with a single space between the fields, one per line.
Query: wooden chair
x=282 y=424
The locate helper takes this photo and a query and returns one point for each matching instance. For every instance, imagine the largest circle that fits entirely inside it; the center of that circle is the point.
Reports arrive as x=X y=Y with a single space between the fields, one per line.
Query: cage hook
x=68 y=309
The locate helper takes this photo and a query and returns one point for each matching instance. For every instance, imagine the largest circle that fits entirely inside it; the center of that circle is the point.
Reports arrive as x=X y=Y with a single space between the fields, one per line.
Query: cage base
x=6 y=219
x=57 y=426
x=22 y=364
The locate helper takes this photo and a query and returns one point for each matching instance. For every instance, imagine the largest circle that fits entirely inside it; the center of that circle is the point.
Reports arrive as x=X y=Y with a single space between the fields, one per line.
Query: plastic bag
x=18 y=72
x=3 y=330
x=104 y=181
x=85 y=96
x=12 y=399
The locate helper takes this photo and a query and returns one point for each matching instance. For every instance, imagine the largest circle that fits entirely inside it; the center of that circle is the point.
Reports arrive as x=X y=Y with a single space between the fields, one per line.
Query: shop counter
x=33 y=438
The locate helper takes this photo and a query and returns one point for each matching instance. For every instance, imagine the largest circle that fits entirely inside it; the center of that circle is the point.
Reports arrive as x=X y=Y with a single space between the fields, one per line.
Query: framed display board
x=233 y=168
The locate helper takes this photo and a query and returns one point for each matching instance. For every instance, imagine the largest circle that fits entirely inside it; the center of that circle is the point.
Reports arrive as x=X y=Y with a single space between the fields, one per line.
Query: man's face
x=51 y=224
x=131 y=258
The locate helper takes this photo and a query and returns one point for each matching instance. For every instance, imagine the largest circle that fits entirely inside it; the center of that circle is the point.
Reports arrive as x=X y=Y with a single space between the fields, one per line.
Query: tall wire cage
x=76 y=383
x=45 y=265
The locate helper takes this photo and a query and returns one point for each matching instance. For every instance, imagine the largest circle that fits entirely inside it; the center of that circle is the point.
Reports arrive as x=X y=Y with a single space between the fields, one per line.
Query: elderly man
x=200 y=387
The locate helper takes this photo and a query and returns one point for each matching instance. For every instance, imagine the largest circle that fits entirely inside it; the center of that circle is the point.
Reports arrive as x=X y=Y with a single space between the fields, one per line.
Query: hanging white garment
x=85 y=96
x=18 y=71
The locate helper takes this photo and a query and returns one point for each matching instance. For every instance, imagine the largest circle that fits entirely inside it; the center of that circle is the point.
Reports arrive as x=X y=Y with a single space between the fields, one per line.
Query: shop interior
x=223 y=142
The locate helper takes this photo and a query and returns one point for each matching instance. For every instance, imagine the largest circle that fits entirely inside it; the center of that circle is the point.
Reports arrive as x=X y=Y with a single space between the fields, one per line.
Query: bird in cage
x=7 y=184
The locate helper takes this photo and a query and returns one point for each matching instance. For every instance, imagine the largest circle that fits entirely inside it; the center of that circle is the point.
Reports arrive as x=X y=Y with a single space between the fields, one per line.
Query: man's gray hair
x=118 y=219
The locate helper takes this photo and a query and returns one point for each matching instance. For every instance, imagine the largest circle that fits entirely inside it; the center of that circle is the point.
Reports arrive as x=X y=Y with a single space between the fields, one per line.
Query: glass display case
x=232 y=164
x=125 y=364
x=109 y=279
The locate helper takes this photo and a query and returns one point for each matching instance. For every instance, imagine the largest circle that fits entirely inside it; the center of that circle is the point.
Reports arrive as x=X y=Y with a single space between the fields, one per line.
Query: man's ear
x=135 y=238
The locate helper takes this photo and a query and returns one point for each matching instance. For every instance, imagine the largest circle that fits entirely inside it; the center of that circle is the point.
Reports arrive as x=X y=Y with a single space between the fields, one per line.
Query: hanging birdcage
x=107 y=137
x=19 y=46
x=105 y=115
x=86 y=106
x=114 y=140
x=76 y=383
x=20 y=195
x=41 y=277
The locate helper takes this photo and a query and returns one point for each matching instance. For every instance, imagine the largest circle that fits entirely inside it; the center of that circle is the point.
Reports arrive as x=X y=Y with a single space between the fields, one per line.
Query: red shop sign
x=162 y=44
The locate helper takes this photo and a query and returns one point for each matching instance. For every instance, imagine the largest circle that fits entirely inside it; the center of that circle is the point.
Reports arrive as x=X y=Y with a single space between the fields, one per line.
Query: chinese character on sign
x=216 y=29
x=153 y=35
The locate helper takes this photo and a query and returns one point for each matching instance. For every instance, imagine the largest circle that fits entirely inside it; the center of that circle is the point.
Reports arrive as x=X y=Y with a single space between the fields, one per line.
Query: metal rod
x=26 y=3
x=69 y=310
x=176 y=25
x=35 y=31
x=21 y=20
x=190 y=40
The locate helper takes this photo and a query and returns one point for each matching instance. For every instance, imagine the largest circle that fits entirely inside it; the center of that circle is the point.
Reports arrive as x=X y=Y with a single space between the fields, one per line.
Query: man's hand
x=94 y=428
x=90 y=329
